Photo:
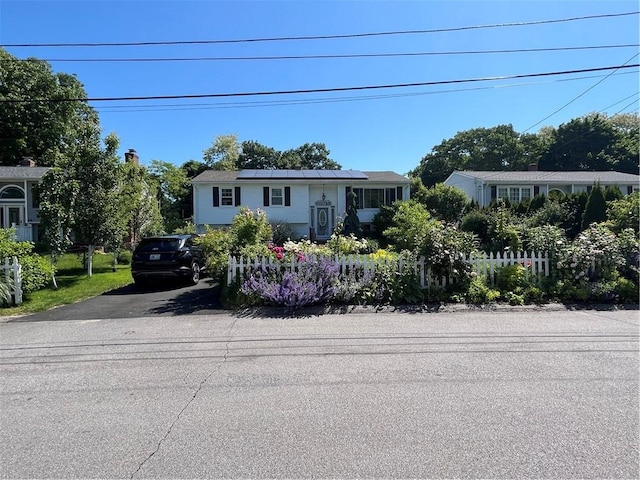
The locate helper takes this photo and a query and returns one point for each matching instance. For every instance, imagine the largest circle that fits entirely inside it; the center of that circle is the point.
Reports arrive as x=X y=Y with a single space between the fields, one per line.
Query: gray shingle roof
x=221 y=176
x=553 y=177
x=22 y=173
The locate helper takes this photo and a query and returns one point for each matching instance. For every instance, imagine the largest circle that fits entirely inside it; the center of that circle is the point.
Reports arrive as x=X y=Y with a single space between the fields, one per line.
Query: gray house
x=483 y=186
x=18 y=199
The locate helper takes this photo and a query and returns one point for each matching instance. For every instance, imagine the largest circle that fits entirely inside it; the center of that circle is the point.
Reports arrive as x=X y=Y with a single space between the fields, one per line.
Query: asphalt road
x=393 y=395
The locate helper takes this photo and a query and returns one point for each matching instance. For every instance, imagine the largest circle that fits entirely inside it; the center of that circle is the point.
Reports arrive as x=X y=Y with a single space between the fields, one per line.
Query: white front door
x=323 y=224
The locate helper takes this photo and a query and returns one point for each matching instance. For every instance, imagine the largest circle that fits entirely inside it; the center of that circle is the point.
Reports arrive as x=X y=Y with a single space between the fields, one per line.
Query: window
x=226 y=197
x=277 y=198
x=514 y=194
x=376 y=197
x=13 y=193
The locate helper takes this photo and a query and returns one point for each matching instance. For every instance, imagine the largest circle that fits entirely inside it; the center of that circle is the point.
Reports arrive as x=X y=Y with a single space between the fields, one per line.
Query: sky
x=367 y=129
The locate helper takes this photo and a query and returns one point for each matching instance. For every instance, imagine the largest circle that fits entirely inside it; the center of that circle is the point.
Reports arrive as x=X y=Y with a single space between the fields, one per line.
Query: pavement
x=373 y=394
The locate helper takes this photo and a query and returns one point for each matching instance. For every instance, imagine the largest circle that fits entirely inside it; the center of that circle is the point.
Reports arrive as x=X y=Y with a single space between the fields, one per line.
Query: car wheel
x=140 y=282
x=195 y=273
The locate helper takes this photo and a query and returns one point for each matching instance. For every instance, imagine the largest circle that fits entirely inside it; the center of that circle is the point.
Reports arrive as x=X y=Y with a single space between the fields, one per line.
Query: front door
x=322 y=221
x=11 y=215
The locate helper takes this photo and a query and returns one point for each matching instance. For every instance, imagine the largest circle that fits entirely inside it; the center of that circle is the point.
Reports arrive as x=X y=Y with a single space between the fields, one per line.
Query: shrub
x=624 y=213
x=124 y=257
x=215 y=245
x=480 y=293
x=596 y=209
x=445 y=202
x=478 y=223
x=348 y=244
x=37 y=272
x=249 y=228
x=547 y=238
x=282 y=231
x=504 y=233
x=5 y=292
x=627 y=290
x=313 y=282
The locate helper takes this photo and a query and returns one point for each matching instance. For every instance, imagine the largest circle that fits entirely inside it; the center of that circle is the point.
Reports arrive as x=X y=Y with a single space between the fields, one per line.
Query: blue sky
x=388 y=129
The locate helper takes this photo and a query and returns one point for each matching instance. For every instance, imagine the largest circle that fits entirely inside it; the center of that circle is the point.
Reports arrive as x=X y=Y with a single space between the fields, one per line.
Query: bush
x=249 y=228
x=479 y=293
x=445 y=202
x=37 y=273
x=282 y=231
x=124 y=257
x=478 y=223
x=348 y=244
x=215 y=245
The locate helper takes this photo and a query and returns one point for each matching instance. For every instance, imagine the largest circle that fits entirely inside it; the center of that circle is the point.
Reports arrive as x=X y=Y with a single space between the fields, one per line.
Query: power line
x=623 y=109
x=581 y=94
x=320 y=37
x=314 y=57
x=320 y=90
x=276 y=103
x=619 y=101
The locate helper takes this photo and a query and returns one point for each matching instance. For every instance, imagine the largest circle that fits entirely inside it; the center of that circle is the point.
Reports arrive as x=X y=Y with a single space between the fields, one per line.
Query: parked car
x=167 y=257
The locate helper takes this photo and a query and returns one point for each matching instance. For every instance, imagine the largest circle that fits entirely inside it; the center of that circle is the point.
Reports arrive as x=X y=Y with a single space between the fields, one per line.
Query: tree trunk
x=90 y=260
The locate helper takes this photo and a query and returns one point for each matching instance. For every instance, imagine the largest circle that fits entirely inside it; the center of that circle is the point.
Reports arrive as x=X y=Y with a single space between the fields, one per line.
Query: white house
x=483 y=186
x=19 y=200
x=312 y=201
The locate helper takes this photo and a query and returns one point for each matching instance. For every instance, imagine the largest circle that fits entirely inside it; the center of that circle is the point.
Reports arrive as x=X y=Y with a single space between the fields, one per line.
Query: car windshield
x=159 y=245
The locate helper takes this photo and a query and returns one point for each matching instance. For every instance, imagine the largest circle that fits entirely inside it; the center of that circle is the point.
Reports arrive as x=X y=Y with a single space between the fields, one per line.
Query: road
x=466 y=394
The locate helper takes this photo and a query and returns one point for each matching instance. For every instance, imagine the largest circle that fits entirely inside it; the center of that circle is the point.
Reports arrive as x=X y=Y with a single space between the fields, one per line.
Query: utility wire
x=319 y=90
x=623 y=109
x=321 y=100
x=619 y=101
x=314 y=57
x=581 y=94
x=319 y=37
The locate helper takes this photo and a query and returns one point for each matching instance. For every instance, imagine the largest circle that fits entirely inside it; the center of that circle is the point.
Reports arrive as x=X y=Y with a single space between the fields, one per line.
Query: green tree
x=596 y=208
x=624 y=213
x=445 y=202
x=411 y=225
x=223 y=153
x=139 y=208
x=173 y=191
x=496 y=148
x=254 y=155
x=46 y=130
x=312 y=156
x=594 y=142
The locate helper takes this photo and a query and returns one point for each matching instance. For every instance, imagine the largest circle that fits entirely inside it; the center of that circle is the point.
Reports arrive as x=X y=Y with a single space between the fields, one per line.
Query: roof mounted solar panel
x=302 y=174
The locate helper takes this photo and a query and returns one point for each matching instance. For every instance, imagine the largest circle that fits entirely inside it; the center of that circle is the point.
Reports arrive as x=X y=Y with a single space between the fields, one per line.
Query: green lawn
x=74 y=284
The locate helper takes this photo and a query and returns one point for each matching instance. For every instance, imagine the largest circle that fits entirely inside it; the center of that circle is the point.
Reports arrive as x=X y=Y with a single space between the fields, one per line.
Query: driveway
x=132 y=301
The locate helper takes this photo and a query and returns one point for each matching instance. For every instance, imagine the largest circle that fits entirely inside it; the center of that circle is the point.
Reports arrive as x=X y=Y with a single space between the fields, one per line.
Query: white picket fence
x=536 y=266
x=13 y=278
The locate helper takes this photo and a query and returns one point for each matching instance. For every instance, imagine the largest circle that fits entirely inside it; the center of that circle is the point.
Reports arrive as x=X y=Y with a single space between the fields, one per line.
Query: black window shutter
x=216 y=196
x=237 y=195
x=494 y=192
x=629 y=189
x=265 y=196
x=287 y=196
x=398 y=193
x=536 y=190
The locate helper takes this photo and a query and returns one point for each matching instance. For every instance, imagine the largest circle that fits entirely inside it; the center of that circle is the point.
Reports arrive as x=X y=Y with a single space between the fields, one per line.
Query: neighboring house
x=483 y=187
x=311 y=201
x=19 y=200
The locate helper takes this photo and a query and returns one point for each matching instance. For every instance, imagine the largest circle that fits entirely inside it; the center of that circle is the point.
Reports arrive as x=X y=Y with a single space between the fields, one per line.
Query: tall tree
x=173 y=192
x=139 y=208
x=82 y=196
x=36 y=118
x=254 y=155
x=313 y=156
x=594 y=142
x=496 y=148
x=223 y=153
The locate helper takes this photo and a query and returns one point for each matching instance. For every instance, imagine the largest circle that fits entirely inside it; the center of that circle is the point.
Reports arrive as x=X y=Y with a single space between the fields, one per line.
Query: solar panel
x=301 y=174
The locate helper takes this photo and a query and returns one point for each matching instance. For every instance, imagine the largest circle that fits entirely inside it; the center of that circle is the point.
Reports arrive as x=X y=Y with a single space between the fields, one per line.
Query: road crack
x=190 y=401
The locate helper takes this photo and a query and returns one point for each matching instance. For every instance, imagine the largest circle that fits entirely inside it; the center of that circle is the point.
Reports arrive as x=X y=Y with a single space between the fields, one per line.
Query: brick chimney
x=27 y=162
x=131 y=156
x=532 y=167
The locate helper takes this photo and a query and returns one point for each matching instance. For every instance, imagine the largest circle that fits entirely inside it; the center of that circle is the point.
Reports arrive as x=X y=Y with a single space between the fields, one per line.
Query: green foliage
x=5 y=292
x=536 y=203
x=612 y=192
x=348 y=244
x=504 y=232
x=553 y=213
x=410 y=225
x=445 y=202
x=47 y=131
x=138 y=205
x=478 y=223
x=216 y=244
x=547 y=238
x=383 y=220
x=124 y=257
x=282 y=232
x=37 y=273
x=627 y=290
x=596 y=208
x=223 y=153
x=624 y=213
x=512 y=278
x=479 y=293
x=249 y=228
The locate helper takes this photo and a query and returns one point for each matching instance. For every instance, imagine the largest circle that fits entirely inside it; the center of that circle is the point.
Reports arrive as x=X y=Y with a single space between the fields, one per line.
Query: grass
x=74 y=284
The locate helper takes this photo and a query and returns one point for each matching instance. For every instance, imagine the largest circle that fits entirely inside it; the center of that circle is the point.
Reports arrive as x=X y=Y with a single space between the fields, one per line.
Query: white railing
x=24 y=233
x=13 y=278
x=536 y=266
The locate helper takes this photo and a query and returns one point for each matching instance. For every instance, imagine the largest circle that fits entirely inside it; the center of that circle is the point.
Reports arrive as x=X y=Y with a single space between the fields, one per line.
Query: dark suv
x=165 y=257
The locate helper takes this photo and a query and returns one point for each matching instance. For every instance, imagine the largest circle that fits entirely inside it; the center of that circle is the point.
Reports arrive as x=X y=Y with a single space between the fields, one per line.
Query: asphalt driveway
x=133 y=302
